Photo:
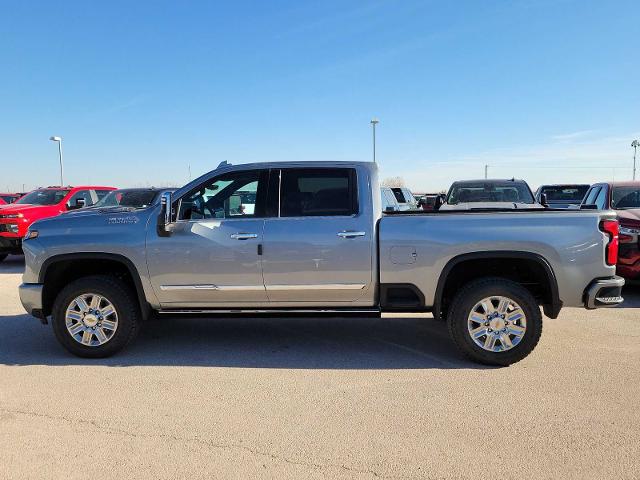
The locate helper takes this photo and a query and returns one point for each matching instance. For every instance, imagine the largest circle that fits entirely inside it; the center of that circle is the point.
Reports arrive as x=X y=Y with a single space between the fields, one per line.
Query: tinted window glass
x=318 y=192
x=388 y=199
x=128 y=198
x=565 y=194
x=80 y=194
x=492 y=191
x=102 y=193
x=625 y=197
x=233 y=195
x=44 y=197
x=601 y=199
x=591 y=196
x=397 y=192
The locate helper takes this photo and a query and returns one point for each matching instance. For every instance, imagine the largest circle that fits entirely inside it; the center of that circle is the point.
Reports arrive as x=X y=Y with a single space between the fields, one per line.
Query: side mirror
x=543 y=200
x=165 y=220
x=438 y=203
x=80 y=203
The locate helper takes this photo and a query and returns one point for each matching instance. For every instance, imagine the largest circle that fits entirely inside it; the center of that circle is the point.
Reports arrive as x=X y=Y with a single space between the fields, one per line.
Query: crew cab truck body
x=16 y=218
x=315 y=241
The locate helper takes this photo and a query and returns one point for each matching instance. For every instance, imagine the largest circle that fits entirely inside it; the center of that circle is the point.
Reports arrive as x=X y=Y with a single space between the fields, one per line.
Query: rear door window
x=312 y=192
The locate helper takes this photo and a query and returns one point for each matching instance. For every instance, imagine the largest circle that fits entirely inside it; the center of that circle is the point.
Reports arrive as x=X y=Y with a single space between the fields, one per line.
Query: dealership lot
x=319 y=398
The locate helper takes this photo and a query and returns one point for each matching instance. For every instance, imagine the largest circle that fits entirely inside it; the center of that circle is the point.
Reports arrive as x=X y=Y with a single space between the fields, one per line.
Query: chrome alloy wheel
x=91 y=319
x=497 y=324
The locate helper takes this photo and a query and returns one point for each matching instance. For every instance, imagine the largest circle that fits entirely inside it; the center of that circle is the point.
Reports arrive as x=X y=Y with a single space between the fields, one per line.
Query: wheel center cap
x=497 y=323
x=90 y=320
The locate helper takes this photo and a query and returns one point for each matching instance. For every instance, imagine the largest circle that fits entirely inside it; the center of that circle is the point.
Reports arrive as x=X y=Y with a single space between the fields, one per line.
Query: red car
x=624 y=198
x=16 y=218
x=7 y=198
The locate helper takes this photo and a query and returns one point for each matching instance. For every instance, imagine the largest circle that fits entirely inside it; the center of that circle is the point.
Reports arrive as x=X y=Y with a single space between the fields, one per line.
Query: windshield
x=565 y=194
x=128 y=198
x=43 y=197
x=473 y=192
x=8 y=198
x=623 y=198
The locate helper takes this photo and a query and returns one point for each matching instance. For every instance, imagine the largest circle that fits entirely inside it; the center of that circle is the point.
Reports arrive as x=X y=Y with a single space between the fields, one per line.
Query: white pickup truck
x=311 y=237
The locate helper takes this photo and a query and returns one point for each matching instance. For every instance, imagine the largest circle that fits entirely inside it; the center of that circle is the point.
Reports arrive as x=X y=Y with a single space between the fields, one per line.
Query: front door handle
x=244 y=236
x=350 y=234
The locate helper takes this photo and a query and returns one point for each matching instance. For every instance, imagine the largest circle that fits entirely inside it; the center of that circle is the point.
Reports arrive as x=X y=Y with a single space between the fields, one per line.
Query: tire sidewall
x=116 y=295
x=475 y=292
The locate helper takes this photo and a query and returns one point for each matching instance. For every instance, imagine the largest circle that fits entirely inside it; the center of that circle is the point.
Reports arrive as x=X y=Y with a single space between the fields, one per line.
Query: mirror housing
x=80 y=203
x=164 y=219
x=543 y=200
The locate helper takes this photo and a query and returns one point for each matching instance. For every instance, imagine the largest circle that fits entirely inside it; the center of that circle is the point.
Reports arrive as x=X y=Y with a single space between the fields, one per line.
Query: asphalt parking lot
x=319 y=398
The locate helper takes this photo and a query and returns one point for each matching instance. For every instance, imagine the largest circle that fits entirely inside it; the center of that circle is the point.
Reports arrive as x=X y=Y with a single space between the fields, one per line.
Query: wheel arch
x=60 y=269
x=547 y=293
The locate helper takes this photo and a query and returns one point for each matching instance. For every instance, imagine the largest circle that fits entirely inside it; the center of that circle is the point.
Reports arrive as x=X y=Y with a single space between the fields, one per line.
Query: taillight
x=611 y=228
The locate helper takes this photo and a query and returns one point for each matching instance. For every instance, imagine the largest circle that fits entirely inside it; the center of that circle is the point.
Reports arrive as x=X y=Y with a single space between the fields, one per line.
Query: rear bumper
x=604 y=292
x=31 y=298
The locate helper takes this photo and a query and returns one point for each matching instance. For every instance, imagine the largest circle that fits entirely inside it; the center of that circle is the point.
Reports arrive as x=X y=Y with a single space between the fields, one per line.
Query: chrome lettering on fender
x=122 y=220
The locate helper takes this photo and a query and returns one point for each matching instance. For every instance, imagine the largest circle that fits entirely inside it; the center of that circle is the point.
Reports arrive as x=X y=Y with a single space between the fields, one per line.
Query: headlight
x=30 y=235
x=12 y=227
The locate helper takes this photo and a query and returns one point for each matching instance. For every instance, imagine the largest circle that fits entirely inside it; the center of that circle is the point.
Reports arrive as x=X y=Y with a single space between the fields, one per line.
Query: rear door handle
x=244 y=236
x=351 y=234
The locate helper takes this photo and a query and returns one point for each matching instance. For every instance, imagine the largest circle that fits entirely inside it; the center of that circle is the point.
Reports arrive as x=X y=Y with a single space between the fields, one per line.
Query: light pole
x=58 y=140
x=374 y=122
x=486 y=171
x=635 y=144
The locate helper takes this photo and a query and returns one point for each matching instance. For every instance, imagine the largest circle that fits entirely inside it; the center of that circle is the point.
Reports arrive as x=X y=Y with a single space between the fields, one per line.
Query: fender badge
x=122 y=220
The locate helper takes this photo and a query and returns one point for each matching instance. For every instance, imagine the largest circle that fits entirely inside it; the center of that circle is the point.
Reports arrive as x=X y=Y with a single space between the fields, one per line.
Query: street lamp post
x=635 y=144
x=374 y=122
x=486 y=171
x=58 y=140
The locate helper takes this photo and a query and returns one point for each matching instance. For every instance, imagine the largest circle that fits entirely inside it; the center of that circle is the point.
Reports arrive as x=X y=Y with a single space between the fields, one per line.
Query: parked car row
x=18 y=216
x=514 y=194
x=7 y=198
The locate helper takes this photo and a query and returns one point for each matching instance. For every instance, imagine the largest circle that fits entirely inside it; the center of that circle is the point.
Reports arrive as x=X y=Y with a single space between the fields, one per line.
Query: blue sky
x=544 y=90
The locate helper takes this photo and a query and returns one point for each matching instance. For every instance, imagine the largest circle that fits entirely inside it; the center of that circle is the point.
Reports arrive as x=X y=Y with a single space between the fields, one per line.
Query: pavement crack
x=197 y=440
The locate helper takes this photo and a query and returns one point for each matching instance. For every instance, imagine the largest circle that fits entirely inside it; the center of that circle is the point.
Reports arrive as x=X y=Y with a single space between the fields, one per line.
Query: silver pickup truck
x=293 y=238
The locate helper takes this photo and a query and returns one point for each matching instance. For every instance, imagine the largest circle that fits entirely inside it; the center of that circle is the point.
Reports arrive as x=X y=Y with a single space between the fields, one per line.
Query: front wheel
x=95 y=316
x=495 y=321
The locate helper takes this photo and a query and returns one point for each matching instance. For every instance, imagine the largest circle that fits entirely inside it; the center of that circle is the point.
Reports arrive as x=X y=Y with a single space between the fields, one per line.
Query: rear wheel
x=95 y=316
x=495 y=321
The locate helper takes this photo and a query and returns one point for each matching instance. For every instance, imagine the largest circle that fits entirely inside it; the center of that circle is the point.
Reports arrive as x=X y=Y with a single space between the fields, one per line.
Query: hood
x=93 y=211
x=631 y=216
x=23 y=208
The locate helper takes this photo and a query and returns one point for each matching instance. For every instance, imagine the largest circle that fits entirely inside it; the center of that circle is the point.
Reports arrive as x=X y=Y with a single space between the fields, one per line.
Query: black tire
x=474 y=292
x=3 y=256
x=123 y=300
